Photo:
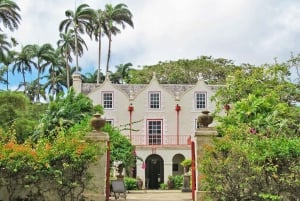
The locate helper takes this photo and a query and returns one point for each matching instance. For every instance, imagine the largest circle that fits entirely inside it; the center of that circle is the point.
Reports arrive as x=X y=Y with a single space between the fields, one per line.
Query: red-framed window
x=154 y=131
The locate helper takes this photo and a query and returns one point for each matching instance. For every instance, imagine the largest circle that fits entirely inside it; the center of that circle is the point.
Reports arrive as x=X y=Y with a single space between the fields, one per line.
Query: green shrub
x=130 y=183
x=177 y=180
x=163 y=186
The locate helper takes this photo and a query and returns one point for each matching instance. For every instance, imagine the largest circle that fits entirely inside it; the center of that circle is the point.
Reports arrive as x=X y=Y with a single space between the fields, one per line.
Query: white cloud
x=248 y=31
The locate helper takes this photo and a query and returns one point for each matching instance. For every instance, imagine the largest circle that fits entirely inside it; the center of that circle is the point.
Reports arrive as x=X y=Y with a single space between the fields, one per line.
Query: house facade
x=159 y=119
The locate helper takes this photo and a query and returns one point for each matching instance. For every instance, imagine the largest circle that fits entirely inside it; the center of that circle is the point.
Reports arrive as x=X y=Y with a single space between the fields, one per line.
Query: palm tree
x=3 y=69
x=43 y=56
x=22 y=64
x=99 y=27
x=79 y=21
x=9 y=15
x=114 y=16
x=4 y=45
x=122 y=71
x=35 y=91
x=92 y=77
x=4 y=51
x=66 y=45
x=55 y=79
x=7 y=60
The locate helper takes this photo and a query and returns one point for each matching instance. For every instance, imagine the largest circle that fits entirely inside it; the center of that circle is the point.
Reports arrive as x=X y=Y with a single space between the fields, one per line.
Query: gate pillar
x=203 y=136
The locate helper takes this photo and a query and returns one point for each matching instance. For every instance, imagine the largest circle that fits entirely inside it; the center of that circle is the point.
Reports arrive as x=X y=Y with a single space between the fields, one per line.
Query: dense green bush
x=130 y=183
x=257 y=157
x=177 y=181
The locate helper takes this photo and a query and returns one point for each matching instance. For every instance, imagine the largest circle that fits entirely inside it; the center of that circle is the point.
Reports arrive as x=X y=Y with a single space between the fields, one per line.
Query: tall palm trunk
x=24 y=81
x=38 y=85
x=53 y=82
x=67 y=71
x=99 y=58
x=7 y=78
x=76 y=48
x=108 y=53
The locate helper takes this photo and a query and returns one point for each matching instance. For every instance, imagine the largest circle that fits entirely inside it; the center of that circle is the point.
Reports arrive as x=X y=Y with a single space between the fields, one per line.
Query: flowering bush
x=59 y=166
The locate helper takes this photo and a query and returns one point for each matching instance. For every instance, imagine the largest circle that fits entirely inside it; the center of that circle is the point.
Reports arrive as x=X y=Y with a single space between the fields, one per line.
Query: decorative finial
x=154 y=76
x=200 y=76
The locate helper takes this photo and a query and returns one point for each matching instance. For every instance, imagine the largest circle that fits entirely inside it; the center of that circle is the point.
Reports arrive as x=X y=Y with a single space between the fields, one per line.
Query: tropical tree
x=66 y=44
x=7 y=60
x=10 y=103
x=3 y=70
x=55 y=80
x=35 y=90
x=4 y=45
x=115 y=16
x=42 y=57
x=64 y=112
x=99 y=27
x=79 y=21
x=9 y=16
x=90 y=77
x=257 y=155
x=123 y=72
x=22 y=64
x=185 y=71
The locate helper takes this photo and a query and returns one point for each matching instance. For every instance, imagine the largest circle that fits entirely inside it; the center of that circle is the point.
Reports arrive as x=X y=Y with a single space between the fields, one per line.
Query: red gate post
x=107 y=190
x=193 y=170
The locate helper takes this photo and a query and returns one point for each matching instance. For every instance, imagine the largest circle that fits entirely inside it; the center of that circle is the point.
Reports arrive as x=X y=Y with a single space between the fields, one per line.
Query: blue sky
x=245 y=31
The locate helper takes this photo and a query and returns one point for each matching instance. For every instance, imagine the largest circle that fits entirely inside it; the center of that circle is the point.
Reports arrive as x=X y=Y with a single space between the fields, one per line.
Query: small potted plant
x=139 y=183
x=186 y=165
x=170 y=182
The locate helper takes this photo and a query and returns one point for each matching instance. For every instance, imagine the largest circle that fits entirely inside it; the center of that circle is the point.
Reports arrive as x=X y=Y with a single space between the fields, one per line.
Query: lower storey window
x=154 y=128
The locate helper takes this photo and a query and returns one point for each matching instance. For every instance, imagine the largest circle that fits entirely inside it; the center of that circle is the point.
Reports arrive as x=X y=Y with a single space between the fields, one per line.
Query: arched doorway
x=177 y=168
x=154 y=171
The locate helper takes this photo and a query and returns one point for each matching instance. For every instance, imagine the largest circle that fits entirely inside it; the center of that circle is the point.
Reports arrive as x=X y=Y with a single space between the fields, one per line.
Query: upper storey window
x=200 y=100
x=154 y=100
x=107 y=100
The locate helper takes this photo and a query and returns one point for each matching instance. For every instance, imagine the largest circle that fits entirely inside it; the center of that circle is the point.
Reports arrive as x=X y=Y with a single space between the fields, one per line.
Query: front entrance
x=154 y=171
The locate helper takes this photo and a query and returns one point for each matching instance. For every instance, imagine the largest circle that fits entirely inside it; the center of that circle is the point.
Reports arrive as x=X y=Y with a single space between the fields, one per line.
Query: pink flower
x=143 y=166
x=252 y=130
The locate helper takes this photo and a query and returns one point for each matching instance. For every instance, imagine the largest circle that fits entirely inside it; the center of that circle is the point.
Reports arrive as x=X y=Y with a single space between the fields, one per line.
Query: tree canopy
x=257 y=155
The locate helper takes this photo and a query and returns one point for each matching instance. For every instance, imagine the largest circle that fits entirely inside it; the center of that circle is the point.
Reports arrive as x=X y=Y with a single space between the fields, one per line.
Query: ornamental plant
x=257 y=154
x=57 y=167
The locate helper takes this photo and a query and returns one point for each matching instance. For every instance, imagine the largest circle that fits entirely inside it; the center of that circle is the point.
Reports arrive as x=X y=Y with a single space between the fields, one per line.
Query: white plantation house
x=161 y=120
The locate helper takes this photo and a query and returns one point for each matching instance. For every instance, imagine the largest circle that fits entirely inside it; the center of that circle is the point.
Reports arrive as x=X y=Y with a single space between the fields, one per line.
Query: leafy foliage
x=17 y=111
x=257 y=157
x=130 y=183
x=120 y=147
x=64 y=112
x=184 y=71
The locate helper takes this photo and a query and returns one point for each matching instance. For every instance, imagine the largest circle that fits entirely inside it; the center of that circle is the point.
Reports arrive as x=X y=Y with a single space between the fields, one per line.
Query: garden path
x=156 y=195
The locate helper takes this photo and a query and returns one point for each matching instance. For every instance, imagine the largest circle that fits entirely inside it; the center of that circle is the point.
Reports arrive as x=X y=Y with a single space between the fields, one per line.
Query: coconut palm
x=92 y=77
x=9 y=16
x=99 y=27
x=122 y=71
x=4 y=45
x=66 y=45
x=7 y=60
x=23 y=64
x=35 y=90
x=43 y=55
x=3 y=70
x=55 y=80
x=114 y=16
x=79 y=21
